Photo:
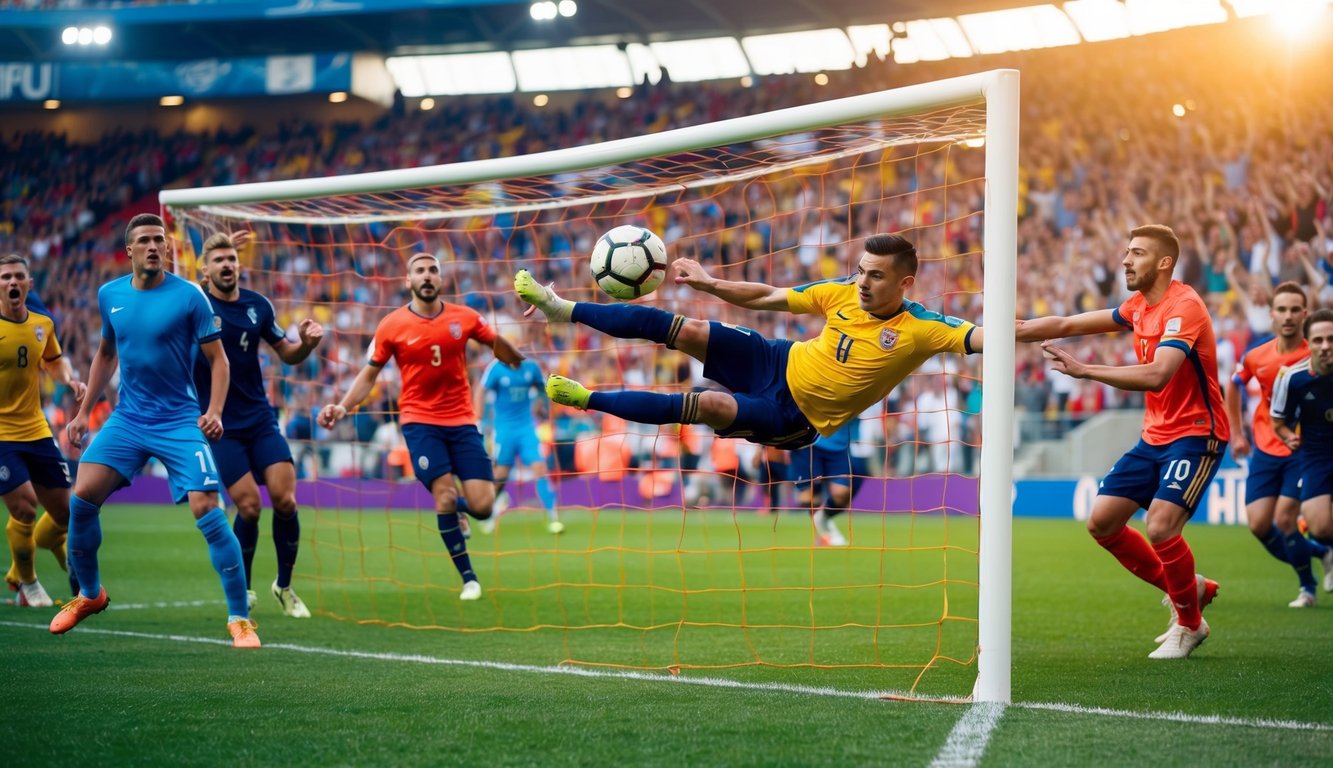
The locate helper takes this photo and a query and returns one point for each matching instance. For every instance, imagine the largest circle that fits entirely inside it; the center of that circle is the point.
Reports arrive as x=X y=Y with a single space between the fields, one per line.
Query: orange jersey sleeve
x=1191 y=402
x=1261 y=365
x=431 y=353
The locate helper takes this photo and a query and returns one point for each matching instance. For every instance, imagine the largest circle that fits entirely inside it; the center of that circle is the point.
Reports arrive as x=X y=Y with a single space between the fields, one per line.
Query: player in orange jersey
x=1272 y=487
x=428 y=337
x=1184 y=427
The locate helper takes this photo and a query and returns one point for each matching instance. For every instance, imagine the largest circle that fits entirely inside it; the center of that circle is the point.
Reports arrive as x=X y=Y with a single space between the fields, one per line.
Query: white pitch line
x=1179 y=717
x=970 y=735
x=175 y=604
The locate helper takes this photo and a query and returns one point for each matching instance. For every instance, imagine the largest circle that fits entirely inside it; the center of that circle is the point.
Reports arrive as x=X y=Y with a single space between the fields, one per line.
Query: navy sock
x=1275 y=543
x=639 y=407
x=627 y=321
x=287 y=542
x=452 y=535
x=1298 y=554
x=1317 y=549
x=225 y=552
x=85 y=537
x=247 y=535
x=460 y=504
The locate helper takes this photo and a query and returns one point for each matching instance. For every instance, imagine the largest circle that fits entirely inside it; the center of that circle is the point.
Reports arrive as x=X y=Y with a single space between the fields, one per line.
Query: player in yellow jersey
x=783 y=393
x=31 y=466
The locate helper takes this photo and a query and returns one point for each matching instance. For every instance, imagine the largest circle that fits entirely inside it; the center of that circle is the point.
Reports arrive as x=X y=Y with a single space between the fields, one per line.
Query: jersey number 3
x=435 y=359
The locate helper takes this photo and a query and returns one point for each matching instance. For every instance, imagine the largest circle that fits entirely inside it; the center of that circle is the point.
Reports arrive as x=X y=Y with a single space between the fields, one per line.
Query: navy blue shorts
x=812 y=462
x=37 y=460
x=1271 y=476
x=1179 y=472
x=252 y=450
x=755 y=370
x=1316 y=476
x=440 y=451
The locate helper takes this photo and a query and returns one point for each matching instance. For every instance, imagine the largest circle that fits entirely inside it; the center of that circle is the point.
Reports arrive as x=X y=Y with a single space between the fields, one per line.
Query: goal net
x=681 y=553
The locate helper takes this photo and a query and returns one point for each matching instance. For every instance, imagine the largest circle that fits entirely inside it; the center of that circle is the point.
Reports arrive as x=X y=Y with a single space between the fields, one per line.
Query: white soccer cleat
x=465 y=526
x=1207 y=591
x=501 y=504
x=487 y=526
x=556 y=309
x=827 y=533
x=250 y=599
x=32 y=595
x=1180 y=641
x=556 y=527
x=471 y=591
x=292 y=605
x=1327 y=560
x=1305 y=599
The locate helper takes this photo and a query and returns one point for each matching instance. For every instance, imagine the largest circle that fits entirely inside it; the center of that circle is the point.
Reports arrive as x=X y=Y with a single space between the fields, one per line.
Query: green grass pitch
x=507 y=680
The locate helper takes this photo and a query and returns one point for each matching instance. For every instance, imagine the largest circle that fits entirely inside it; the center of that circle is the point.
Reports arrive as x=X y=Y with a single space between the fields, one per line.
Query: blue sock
x=628 y=321
x=225 y=552
x=1298 y=554
x=452 y=536
x=639 y=407
x=1275 y=543
x=287 y=542
x=547 y=494
x=460 y=504
x=1317 y=549
x=247 y=535
x=85 y=537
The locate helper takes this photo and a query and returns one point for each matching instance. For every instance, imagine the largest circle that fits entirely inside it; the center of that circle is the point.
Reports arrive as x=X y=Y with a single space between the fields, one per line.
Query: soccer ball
x=628 y=262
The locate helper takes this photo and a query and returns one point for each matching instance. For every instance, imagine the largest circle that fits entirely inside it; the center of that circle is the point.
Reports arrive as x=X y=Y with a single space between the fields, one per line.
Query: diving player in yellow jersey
x=783 y=393
x=31 y=466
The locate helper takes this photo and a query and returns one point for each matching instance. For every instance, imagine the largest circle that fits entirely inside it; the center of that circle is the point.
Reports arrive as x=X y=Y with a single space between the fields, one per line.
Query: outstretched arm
x=506 y=352
x=365 y=380
x=1147 y=377
x=291 y=352
x=1054 y=327
x=748 y=295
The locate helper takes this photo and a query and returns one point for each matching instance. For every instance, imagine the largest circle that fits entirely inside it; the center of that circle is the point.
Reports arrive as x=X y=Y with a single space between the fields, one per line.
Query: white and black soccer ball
x=628 y=262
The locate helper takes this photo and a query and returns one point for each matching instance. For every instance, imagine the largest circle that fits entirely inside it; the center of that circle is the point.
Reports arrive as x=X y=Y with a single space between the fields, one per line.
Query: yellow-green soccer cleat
x=291 y=604
x=567 y=392
x=556 y=309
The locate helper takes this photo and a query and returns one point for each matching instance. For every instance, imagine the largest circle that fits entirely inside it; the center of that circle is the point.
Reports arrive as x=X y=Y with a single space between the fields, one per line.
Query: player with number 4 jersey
x=1303 y=396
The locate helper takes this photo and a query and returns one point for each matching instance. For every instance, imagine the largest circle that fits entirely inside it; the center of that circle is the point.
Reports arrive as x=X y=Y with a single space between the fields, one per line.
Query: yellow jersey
x=24 y=346
x=859 y=358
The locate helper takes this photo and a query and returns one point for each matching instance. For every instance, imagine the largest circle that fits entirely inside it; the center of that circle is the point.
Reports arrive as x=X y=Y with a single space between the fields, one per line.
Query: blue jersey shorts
x=1179 y=472
x=517 y=444
x=37 y=460
x=814 y=463
x=437 y=451
x=755 y=370
x=126 y=447
x=251 y=450
x=1271 y=476
x=1316 y=475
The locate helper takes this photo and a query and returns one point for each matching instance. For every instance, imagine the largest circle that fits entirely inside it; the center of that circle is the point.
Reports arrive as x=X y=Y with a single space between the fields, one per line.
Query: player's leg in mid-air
x=428 y=446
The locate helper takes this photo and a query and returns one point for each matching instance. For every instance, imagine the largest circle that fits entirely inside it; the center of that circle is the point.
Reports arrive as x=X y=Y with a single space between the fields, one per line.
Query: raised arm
x=1055 y=327
x=748 y=295
x=291 y=352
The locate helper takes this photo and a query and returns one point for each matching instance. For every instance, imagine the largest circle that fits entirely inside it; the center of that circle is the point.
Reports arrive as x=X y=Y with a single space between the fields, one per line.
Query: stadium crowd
x=1235 y=152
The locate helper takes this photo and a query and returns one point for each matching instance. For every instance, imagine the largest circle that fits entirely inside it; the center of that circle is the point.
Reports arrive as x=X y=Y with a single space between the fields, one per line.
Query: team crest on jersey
x=4 y=473
x=39 y=333
x=253 y=315
x=423 y=462
x=887 y=339
x=217 y=322
x=1137 y=315
x=456 y=330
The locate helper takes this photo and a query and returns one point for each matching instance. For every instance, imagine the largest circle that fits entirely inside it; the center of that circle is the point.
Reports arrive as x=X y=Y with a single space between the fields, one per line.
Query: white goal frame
x=997 y=89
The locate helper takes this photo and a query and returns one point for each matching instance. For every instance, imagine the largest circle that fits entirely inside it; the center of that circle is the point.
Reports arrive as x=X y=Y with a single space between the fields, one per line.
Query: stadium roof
x=187 y=31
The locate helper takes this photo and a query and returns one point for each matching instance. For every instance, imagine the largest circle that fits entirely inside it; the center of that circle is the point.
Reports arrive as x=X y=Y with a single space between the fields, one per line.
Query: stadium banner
x=74 y=81
x=925 y=494
x=197 y=11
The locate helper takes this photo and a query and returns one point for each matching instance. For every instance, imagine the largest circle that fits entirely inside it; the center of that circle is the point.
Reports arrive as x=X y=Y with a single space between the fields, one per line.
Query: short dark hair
x=897 y=246
x=142 y=220
x=1318 y=316
x=14 y=258
x=1163 y=235
x=1289 y=286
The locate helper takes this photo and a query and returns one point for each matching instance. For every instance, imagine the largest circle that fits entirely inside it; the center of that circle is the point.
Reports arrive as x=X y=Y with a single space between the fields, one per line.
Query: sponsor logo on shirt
x=1173 y=326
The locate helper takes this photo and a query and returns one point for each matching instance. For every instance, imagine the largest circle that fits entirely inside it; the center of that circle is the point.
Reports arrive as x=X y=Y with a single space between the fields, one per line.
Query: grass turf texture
x=1082 y=632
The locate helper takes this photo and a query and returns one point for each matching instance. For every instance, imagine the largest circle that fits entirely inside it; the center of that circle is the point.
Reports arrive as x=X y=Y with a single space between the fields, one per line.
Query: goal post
x=399 y=199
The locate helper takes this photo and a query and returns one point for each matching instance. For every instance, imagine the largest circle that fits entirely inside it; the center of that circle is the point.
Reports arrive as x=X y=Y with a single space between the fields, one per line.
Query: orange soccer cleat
x=243 y=633
x=77 y=610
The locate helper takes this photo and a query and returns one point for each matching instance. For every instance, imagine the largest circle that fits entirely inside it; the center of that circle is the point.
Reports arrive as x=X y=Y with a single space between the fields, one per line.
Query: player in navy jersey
x=153 y=326
x=827 y=476
x=252 y=450
x=1303 y=395
x=511 y=394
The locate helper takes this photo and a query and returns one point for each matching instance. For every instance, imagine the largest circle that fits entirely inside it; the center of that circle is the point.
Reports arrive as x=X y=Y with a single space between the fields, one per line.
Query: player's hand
x=1062 y=361
x=77 y=429
x=331 y=414
x=311 y=333
x=240 y=237
x=690 y=272
x=211 y=425
x=1292 y=441
x=1240 y=447
x=79 y=389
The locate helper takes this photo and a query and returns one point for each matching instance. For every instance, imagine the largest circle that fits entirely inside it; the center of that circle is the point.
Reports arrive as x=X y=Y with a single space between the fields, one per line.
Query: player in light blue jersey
x=153 y=326
x=1303 y=396
x=827 y=477
x=511 y=394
